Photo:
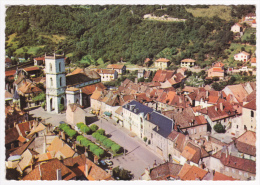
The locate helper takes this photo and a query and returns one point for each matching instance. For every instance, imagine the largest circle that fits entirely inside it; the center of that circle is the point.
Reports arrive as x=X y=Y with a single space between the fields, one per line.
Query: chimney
x=86 y=170
x=207 y=94
x=148 y=116
x=40 y=171
x=59 y=174
x=221 y=106
x=44 y=143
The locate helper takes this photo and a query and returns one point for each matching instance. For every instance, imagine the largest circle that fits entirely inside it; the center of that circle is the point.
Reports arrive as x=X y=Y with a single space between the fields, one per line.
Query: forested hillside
x=113 y=32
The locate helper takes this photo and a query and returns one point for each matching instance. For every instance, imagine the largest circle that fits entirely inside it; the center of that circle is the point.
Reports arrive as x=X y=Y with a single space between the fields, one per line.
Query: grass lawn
x=221 y=11
x=234 y=49
x=248 y=32
x=54 y=38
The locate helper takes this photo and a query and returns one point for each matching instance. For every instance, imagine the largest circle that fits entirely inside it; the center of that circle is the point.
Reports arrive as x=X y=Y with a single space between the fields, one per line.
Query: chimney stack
x=148 y=116
x=59 y=174
x=86 y=169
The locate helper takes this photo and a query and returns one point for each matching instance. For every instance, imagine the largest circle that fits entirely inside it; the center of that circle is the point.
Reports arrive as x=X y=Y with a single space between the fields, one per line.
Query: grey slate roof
x=164 y=123
x=139 y=106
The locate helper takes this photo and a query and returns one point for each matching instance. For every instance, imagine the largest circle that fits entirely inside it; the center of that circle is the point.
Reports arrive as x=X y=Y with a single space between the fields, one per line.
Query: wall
x=247 y=120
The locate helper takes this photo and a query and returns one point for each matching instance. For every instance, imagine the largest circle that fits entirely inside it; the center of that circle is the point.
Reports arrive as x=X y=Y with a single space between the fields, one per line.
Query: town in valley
x=130 y=92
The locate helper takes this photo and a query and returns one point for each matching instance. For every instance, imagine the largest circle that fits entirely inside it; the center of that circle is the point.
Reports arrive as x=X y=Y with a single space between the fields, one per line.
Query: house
x=62 y=150
x=11 y=138
x=189 y=172
x=182 y=70
x=221 y=177
x=119 y=68
x=236 y=28
x=174 y=81
x=163 y=75
x=140 y=73
x=107 y=74
x=8 y=62
x=147 y=62
x=236 y=167
x=165 y=171
x=249 y=115
x=85 y=169
x=246 y=145
x=75 y=114
x=14 y=115
x=24 y=166
x=157 y=128
x=188 y=62
x=51 y=170
x=32 y=71
x=134 y=117
x=216 y=72
x=162 y=63
x=147 y=74
x=236 y=93
x=253 y=62
x=39 y=61
x=250 y=16
x=242 y=56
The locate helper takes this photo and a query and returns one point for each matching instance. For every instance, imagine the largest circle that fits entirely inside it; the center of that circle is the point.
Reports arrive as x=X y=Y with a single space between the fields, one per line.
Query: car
x=103 y=163
x=109 y=163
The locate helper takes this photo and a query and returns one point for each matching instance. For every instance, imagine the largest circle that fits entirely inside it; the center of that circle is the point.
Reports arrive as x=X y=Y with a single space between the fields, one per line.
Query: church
x=73 y=88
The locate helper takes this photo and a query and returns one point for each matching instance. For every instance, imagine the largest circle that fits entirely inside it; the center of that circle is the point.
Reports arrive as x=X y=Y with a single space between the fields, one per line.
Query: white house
x=236 y=28
x=107 y=74
x=242 y=56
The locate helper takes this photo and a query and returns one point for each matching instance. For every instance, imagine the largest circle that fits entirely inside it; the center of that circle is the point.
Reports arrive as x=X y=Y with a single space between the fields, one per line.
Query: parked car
x=103 y=163
x=108 y=162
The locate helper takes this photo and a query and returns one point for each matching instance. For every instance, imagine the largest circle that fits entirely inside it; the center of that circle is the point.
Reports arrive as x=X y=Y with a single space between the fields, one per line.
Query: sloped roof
x=89 y=89
x=243 y=52
x=253 y=60
x=188 y=60
x=39 y=58
x=246 y=143
x=115 y=66
x=8 y=95
x=192 y=153
x=11 y=135
x=32 y=68
x=194 y=173
x=45 y=156
x=218 y=64
x=10 y=73
x=162 y=60
x=105 y=71
x=58 y=145
x=24 y=127
x=22 y=148
x=162 y=75
x=48 y=171
x=139 y=106
x=217 y=69
x=72 y=89
x=29 y=88
x=185 y=168
x=39 y=128
x=221 y=177
x=251 y=105
x=163 y=171
x=77 y=79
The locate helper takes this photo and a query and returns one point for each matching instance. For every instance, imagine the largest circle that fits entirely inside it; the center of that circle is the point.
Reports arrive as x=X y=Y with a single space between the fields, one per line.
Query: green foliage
x=79 y=138
x=43 y=104
x=102 y=138
x=39 y=97
x=97 y=136
x=93 y=147
x=93 y=127
x=219 y=128
x=115 y=148
x=101 y=131
x=85 y=129
x=71 y=132
x=85 y=142
x=64 y=126
x=145 y=139
x=79 y=124
x=99 y=152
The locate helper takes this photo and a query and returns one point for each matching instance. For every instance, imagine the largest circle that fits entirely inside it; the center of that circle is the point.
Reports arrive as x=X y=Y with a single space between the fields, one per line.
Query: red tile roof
x=217 y=69
x=253 y=60
x=24 y=127
x=246 y=143
x=40 y=58
x=11 y=135
x=251 y=105
x=164 y=171
x=162 y=75
x=195 y=173
x=221 y=177
x=48 y=171
x=162 y=60
x=32 y=68
x=105 y=71
x=8 y=60
x=200 y=120
x=10 y=73
x=188 y=60
x=115 y=66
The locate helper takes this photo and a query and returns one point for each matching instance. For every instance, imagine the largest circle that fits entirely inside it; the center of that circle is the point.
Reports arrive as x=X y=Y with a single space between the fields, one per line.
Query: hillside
x=115 y=32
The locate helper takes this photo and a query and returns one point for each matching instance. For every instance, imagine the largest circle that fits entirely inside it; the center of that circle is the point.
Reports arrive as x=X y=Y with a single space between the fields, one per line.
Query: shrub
x=43 y=104
x=106 y=141
x=115 y=148
x=93 y=147
x=110 y=143
x=95 y=134
x=145 y=139
x=85 y=129
x=61 y=107
x=101 y=131
x=99 y=152
x=98 y=136
x=85 y=142
x=93 y=127
x=63 y=125
x=219 y=128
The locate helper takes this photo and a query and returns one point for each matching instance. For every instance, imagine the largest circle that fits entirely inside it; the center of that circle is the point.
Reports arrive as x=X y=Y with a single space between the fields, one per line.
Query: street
x=138 y=155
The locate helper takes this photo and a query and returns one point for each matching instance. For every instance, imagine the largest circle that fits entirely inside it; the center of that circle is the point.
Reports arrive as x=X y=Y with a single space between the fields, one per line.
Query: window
x=233 y=170
x=237 y=126
x=252 y=114
x=50 y=67
x=60 y=67
x=60 y=81
x=246 y=174
x=51 y=82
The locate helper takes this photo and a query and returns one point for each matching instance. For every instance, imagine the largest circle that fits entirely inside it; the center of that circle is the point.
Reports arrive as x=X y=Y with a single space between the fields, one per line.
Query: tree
x=101 y=131
x=215 y=78
x=219 y=128
x=93 y=147
x=85 y=129
x=99 y=152
x=115 y=148
x=79 y=138
x=145 y=139
x=93 y=127
x=61 y=107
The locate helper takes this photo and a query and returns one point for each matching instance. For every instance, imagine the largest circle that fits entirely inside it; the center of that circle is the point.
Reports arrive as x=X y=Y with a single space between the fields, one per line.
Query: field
x=222 y=12
x=248 y=32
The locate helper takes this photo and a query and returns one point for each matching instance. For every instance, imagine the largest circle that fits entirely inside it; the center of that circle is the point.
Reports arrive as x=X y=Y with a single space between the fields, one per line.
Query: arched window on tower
x=50 y=67
x=60 y=81
x=252 y=114
x=59 y=67
x=51 y=81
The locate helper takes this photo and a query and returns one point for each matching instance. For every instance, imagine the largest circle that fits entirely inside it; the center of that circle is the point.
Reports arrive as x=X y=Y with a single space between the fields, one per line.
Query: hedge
x=71 y=133
x=102 y=138
x=85 y=129
x=98 y=136
x=99 y=152
x=94 y=127
x=79 y=138
x=95 y=134
x=80 y=124
x=66 y=128
x=93 y=147
x=115 y=148
x=85 y=142
x=100 y=131
x=110 y=144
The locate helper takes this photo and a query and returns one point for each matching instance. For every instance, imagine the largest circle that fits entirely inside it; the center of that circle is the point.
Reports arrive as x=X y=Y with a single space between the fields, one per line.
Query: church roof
x=77 y=79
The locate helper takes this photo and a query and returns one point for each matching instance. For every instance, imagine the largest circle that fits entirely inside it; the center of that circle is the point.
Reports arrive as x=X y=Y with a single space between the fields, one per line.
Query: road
x=138 y=155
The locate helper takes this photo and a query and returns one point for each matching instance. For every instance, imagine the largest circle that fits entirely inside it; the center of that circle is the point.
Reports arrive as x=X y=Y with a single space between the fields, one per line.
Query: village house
x=236 y=93
x=75 y=114
x=51 y=170
x=188 y=62
x=250 y=16
x=236 y=28
x=120 y=68
x=165 y=171
x=163 y=75
x=249 y=115
x=216 y=72
x=162 y=63
x=157 y=128
x=39 y=61
x=107 y=74
x=134 y=117
x=246 y=145
x=253 y=62
x=175 y=81
x=242 y=56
